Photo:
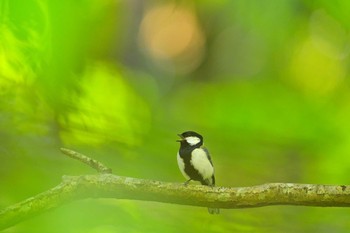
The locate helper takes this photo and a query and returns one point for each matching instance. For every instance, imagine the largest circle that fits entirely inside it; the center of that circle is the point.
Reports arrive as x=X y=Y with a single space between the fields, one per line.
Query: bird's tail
x=211 y=183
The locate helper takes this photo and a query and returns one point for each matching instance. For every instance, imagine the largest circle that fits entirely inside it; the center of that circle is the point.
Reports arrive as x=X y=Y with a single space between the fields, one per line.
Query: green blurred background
x=265 y=82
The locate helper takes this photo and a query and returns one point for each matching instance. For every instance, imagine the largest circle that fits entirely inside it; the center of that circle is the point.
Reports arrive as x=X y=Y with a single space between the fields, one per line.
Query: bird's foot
x=187 y=182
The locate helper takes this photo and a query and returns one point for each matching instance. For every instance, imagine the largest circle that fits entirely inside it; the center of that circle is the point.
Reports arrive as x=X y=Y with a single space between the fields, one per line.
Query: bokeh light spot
x=314 y=72
x=171 y=33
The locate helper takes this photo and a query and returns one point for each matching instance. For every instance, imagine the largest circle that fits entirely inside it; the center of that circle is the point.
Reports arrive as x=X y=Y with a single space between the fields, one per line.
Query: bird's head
x=191 y=138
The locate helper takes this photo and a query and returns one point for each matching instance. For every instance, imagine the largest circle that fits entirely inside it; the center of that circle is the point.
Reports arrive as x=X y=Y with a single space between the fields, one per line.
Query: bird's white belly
x=181 y=164
x=201 y=163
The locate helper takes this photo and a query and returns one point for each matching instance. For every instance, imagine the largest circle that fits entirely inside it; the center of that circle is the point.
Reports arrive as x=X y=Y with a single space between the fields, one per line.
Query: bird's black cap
x=189 y=134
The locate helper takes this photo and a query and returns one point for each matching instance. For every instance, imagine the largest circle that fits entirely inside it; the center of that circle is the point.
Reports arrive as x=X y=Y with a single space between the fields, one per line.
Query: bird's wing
x=208 y=155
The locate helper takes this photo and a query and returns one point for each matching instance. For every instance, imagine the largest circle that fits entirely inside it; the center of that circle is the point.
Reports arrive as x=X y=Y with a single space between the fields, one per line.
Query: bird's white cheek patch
x=192 y=140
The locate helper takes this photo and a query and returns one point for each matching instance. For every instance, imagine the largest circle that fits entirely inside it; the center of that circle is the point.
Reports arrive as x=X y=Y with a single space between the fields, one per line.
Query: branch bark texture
x=75 y=188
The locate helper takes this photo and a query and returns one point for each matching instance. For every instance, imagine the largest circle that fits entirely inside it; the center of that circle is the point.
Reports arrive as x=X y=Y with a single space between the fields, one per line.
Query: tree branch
x=75 y=188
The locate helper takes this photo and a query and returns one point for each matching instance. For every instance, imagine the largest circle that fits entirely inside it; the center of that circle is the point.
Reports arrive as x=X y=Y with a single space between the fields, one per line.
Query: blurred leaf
x=108 y=111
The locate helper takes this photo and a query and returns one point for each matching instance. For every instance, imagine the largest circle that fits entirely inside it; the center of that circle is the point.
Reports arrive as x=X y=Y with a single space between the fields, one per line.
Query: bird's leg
x=188 y=181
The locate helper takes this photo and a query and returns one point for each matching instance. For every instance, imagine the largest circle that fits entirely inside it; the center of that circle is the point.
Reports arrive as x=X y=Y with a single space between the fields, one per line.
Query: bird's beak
x=182 y=138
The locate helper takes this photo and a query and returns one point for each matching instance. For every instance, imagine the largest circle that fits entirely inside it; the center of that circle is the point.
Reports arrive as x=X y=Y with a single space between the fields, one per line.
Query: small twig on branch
x=98 y=166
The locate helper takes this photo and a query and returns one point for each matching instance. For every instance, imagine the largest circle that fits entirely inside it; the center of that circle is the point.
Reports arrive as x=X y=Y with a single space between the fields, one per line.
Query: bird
x=194 y=161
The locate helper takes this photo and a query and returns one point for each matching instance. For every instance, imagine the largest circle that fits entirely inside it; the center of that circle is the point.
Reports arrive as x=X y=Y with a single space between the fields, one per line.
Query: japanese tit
x=194 y=161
